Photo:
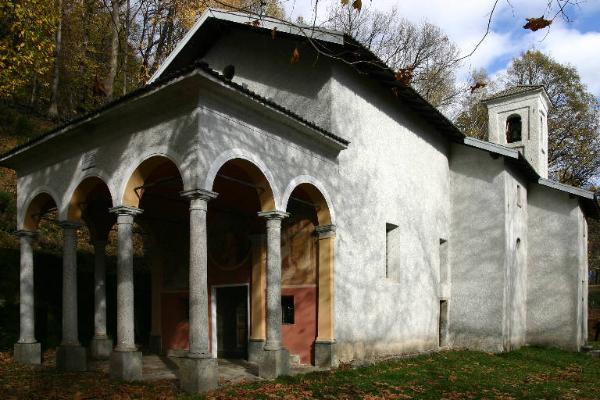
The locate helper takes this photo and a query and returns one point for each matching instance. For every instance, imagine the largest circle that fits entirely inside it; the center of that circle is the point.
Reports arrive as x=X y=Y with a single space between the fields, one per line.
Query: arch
x=40 y=203
x=141 y=173
x=514 y=128
x=82 y=187
x=89 y=204
x=262 y=176
x=317 y=195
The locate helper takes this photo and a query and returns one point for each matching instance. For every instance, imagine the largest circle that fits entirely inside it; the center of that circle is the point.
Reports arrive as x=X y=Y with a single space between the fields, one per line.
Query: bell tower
x=518 y=118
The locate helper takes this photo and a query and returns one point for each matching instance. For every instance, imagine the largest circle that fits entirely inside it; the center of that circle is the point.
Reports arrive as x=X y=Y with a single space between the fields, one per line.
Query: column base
x=256 y=350
x=101 y=347
x=28 y=353
x=155 y=344
x=71 y=358
x=325 y=356
x=198 y=375
x=274 y=363
x=126 y=365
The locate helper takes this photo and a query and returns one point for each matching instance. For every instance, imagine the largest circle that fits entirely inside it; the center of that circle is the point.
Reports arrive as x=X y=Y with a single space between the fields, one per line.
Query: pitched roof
x=513 y=90
x=215 y=23
x=200 y=67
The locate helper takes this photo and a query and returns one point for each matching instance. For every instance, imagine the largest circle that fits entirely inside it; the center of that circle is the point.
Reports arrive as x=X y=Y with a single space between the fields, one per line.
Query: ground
x=528 y=373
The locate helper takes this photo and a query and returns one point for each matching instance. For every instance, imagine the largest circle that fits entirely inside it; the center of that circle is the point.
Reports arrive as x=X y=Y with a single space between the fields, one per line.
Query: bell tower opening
x=517 y=119
x=513 y=129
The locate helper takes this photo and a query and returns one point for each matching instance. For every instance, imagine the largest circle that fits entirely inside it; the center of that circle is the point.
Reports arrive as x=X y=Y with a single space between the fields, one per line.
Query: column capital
x=125 y=210
x=203 y=194
x=325 y=231
x=274 y=214
x=25 y=233
x=70 y=224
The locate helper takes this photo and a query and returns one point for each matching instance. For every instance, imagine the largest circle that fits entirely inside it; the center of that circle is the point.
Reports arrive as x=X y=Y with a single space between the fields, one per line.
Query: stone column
x=27 y=350
x=275 y=360
x=325 y=343
x=125 y=360
x=199 y=371
x=101 y=345
x=70 y=356
x=258 y=310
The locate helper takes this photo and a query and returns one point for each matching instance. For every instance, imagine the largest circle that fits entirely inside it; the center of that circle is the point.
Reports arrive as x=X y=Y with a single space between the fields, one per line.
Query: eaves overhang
x=309 y=128
x=514 y=157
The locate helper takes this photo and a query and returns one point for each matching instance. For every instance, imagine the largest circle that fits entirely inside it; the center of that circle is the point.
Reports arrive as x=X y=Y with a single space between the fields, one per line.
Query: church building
x=311 y=212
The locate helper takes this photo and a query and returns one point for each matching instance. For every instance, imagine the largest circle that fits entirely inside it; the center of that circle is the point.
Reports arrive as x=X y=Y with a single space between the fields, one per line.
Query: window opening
x=390 y=256
x=443 y=261
x=513 y=129
x=288 y=311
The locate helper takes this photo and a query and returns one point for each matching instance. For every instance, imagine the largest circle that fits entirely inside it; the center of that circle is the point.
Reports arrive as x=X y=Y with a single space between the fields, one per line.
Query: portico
x=212 y=207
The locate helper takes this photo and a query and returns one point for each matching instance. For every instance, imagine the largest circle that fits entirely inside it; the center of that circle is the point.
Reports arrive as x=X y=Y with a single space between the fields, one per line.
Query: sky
x=576 y=42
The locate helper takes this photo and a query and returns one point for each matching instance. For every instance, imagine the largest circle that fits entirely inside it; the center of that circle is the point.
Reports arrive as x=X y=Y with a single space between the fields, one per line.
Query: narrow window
x=391 y=251
x=513 y=129
x=443 y=323
x=287 y=310
x=519 y=200
x=443 y=261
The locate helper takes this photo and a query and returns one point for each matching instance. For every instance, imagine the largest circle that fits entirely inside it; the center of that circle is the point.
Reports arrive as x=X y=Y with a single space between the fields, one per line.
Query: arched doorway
x=237 y=260
x=40 y=213
x=307 y=277
x=161 y=320
x=89 y=207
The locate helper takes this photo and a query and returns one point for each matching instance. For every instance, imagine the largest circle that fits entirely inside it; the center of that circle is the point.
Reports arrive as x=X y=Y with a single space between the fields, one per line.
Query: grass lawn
x=528 y=373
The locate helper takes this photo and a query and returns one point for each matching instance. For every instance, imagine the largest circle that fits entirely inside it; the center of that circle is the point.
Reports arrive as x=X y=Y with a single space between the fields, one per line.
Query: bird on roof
x=229 y=72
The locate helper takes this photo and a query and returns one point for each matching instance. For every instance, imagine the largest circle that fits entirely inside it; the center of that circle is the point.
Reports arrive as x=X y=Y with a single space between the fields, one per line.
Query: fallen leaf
x=405 y=75
x=477 y=85
x=534 y=24
x=295 y=56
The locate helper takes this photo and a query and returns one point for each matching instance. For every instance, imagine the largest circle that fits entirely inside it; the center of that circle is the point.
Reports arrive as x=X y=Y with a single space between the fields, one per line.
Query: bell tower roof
x=517 y=90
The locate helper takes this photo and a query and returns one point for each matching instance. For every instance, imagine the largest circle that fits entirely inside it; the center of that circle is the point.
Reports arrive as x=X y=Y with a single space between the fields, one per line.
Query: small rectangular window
x=519 y=200
x=391 y=251
x=444 y=261
x=287 y=310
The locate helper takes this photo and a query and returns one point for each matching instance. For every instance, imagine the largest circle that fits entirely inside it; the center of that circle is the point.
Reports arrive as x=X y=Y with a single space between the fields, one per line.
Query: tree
x=573 y=121
x=473 y=120
x=423 y=51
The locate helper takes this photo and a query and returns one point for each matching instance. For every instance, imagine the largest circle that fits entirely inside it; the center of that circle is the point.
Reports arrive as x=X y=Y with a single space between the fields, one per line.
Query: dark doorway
x=232 y=322
x=443 y=324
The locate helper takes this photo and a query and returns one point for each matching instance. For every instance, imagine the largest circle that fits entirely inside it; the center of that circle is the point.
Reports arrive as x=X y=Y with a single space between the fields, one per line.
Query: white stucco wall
x=515 y=260
x=263 y=64
x=395 y=171
x=557 y=261
x=477 y=249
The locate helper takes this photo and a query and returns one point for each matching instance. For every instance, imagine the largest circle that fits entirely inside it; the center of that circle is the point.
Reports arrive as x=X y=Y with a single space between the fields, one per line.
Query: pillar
x=70 y=355
x=198 y=371
x=258 y=310
x=27 y=350
x=275 y=360
x=101 y=344
x=325 y=343
x=125 y=360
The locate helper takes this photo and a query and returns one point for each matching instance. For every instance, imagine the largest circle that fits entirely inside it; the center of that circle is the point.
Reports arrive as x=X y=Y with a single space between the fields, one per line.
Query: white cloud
x=581 y=50
x=465 y=23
